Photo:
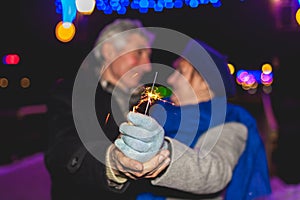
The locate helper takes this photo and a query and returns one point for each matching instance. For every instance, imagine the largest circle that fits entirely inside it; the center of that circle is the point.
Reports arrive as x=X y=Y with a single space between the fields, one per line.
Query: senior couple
x=193 y=144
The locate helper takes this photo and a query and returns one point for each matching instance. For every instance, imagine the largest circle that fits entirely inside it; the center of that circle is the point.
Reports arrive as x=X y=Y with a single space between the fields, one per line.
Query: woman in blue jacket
x=201 y=85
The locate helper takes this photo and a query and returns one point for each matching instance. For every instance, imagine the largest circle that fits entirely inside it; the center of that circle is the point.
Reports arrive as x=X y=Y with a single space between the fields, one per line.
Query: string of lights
x=65 y=29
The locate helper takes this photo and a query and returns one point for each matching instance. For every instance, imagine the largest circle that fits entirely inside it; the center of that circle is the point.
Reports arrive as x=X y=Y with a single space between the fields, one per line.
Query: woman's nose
x=171 y=79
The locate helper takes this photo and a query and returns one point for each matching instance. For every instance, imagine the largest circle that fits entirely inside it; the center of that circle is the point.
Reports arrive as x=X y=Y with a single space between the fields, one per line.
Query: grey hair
x=119 y=26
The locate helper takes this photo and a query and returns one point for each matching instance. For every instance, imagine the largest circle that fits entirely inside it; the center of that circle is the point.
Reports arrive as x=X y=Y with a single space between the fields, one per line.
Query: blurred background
x=254 y=34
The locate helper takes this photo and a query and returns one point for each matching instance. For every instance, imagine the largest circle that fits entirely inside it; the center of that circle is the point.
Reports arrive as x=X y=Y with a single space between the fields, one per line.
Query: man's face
x=129 y=68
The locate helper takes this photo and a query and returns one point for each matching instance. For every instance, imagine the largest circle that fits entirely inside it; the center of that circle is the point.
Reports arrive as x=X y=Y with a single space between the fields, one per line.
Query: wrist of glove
x=142 y=137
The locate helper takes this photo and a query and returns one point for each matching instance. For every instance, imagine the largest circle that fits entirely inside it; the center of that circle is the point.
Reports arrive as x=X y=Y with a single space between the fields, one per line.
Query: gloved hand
x=142 y=137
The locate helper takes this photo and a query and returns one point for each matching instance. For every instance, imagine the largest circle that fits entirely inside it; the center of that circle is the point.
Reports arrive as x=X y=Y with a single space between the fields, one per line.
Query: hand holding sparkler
x=142 y=137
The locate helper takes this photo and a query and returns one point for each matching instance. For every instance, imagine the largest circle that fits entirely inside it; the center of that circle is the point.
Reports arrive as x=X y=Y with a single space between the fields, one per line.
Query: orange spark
x=148 y=95
x=107 y=117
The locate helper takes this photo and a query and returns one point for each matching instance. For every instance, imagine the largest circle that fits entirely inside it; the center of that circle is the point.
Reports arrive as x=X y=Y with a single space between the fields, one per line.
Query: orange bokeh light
x=65 y=33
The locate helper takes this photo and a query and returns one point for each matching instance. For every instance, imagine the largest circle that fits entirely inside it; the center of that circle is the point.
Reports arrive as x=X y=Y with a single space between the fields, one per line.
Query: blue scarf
x=251 y=176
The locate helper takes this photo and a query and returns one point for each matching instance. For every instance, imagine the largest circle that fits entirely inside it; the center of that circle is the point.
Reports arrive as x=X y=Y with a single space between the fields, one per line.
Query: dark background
x=248 y=32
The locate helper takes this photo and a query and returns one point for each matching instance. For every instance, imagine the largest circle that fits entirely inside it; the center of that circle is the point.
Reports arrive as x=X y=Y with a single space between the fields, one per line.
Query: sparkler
x=149 y=95
x=107 y=117
x=152 y=94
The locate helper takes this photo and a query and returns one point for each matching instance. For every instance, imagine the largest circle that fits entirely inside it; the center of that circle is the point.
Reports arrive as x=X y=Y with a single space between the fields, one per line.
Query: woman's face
x=187 y=84
x=180 y=81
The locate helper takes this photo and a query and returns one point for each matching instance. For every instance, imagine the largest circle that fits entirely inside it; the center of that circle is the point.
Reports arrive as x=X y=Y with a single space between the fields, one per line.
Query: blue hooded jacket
x=250 y=177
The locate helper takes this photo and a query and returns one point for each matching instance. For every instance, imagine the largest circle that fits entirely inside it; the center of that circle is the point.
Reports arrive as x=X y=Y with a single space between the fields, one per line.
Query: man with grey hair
x=122 y=55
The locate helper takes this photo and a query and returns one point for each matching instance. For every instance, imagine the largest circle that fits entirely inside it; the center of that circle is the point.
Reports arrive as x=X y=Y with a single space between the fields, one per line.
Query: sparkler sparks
x=151 y=92
x=149 y=95
x=107 y=117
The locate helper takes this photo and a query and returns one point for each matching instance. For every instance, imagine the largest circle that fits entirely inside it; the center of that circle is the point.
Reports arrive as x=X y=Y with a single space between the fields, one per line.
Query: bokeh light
x=25 y=82
x=298 y=16
x=65 y=32
x=3 y=82
x=266 y=68
x=11 y=59
x=231 y=68
x=267 y=89
x=85 y=7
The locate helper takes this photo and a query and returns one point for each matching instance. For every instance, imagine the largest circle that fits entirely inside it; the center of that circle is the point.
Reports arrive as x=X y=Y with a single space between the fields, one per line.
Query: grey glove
x=142 y=137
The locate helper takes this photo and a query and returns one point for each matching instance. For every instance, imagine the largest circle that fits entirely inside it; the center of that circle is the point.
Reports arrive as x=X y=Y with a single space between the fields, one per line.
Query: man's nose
x=146 y=63
x=148 y=67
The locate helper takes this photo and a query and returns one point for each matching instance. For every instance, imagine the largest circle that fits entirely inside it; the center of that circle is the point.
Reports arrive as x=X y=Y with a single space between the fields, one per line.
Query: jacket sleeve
x=66 y=158
x=209 y=166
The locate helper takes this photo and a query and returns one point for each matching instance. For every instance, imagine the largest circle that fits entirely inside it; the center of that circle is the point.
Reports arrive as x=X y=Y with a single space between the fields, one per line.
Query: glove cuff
x=165 y=145
x=109 y=171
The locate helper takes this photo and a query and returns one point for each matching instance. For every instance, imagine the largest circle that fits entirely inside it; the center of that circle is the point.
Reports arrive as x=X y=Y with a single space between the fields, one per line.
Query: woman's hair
x=209 y=70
